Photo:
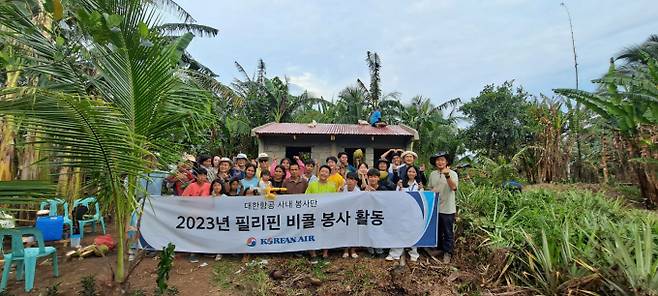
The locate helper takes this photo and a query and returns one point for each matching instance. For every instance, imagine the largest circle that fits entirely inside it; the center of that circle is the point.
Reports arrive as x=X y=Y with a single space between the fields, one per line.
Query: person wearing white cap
x=409 y=158
x=224 y=172
x=240 y=163
x=263 y=163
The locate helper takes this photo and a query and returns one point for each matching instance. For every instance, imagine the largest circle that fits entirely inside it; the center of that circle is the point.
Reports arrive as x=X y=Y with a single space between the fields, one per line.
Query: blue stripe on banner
x=430 y=200
x=419 y=200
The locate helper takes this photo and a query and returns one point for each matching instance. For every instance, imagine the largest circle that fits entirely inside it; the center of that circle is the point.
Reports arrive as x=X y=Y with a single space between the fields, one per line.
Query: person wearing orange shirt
x=201 y=187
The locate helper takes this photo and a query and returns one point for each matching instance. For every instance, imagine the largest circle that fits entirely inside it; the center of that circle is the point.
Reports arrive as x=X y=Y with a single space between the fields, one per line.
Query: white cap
x=263 y=156
x=241 y=156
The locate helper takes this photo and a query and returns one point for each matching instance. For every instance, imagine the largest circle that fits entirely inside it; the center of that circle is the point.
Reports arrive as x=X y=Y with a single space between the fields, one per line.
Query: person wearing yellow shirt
x=322 y=185
x=335 y=177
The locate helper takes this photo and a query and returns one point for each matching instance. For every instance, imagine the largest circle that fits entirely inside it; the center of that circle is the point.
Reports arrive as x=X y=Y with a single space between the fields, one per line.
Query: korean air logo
x=251 y=242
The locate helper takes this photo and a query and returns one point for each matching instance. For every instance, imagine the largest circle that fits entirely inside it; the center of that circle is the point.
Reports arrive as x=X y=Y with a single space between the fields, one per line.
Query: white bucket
x=75 y=241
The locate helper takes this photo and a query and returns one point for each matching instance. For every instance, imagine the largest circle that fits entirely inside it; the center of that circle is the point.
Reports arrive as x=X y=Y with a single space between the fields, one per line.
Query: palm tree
x=373 y=93
x=634 y=55
x=113 y=93
x=351 y=106
x=269 y=99
x=437 y=131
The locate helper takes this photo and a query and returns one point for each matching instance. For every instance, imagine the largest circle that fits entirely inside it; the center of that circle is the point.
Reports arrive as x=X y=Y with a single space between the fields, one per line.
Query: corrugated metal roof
x=274 y=128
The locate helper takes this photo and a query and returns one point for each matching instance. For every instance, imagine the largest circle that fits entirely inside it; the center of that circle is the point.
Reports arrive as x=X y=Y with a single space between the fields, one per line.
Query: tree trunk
x=7 y=134
x=604 y=159
x=648 y=185
x=69 y=183
x=29 y=156
x=645 y=176
x=6 y=150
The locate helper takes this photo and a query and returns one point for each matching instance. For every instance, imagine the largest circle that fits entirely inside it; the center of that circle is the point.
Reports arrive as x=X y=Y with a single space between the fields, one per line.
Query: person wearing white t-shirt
x=409 y=184
x=351 y=185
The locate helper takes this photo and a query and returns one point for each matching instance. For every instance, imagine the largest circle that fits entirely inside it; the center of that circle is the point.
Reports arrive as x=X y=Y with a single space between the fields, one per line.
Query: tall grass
x=570 y=242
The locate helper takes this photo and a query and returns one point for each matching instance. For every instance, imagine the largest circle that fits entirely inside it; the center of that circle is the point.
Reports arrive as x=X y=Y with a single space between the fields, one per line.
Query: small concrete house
x=318 y=141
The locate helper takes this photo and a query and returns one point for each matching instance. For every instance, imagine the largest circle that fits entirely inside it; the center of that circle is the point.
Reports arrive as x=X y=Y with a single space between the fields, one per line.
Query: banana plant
x=628 y=101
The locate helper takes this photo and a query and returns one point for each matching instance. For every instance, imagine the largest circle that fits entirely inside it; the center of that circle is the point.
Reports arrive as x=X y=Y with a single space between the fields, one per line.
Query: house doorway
x=303 y=152
x=378 y=155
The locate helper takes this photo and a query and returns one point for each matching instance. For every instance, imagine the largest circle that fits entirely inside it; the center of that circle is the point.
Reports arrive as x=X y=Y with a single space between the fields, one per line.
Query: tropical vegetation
x=97 y=93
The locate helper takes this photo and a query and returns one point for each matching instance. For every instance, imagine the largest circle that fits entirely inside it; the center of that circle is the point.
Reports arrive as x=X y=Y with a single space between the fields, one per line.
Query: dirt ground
x=272 y=274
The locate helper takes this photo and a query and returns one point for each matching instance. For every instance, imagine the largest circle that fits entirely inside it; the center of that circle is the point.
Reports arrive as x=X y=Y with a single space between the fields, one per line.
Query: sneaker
x=218 y=257
x=314 y=261
x=391 y=258
x=446 y=258
x=355 y=255
x=346 y=254
x=413 y=259
x=193 y=258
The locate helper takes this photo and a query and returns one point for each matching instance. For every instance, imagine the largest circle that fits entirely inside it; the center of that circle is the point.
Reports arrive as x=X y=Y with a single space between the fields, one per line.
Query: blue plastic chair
x=53 y=204
x=97 y=217
x=25 y=258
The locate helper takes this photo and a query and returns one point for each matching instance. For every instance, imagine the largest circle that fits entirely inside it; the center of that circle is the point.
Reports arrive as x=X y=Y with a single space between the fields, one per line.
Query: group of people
x=395 y=170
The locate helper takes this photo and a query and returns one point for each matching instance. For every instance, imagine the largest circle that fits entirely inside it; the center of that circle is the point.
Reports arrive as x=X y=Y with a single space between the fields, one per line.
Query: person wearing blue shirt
x=344 y=161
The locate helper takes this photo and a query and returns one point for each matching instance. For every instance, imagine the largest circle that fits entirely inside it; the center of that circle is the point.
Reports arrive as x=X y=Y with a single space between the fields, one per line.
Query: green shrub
x=566 y=242
x=88 y=286
x=164 y=267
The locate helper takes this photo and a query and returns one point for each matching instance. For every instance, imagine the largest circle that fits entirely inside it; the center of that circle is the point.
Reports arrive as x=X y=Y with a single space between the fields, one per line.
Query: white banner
x=291 y=222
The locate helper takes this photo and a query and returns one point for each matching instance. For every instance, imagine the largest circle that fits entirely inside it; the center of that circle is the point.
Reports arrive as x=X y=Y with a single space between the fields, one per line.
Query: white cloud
x=314 y=85
x=436 y=48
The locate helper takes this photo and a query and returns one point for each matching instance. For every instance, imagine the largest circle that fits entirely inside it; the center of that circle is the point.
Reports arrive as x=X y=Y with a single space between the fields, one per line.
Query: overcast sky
x=435 y=48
